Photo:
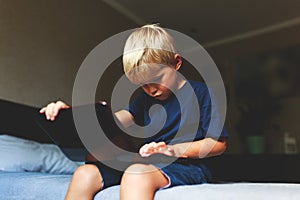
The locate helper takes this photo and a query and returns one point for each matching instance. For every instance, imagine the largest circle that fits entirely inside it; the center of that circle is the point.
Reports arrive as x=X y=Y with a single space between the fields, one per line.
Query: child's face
x=157 y=80
x=161 y=83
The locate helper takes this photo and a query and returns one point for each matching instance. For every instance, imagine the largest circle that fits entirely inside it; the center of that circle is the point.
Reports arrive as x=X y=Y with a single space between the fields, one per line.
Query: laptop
x=63 y=132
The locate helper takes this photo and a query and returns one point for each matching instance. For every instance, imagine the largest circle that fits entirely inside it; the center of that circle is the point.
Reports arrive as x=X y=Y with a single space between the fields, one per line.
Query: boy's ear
x=178 y=61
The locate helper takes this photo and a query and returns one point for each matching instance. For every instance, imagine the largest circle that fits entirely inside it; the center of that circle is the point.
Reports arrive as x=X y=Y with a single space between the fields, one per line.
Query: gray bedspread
x=32 y=185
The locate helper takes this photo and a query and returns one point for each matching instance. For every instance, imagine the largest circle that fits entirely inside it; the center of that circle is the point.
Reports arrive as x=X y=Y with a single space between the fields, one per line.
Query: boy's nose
x=151 y=89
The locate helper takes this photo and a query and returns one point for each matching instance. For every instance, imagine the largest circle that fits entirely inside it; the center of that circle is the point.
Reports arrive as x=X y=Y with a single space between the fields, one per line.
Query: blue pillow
x=21 y=155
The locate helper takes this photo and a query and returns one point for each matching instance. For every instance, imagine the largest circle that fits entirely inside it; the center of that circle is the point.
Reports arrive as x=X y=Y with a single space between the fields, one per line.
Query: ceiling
x=214 y=22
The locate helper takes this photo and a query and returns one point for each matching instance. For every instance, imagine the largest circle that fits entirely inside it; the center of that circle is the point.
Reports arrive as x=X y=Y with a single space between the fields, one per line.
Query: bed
x=34 y=185
x=33 y=170
x=41 y=170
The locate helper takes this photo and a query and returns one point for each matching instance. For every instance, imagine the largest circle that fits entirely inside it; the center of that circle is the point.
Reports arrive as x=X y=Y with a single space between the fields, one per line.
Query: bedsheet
x=33 y=185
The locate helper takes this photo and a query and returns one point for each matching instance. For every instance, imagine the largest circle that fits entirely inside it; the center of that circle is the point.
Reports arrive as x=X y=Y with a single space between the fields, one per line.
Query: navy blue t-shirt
x=184 y=117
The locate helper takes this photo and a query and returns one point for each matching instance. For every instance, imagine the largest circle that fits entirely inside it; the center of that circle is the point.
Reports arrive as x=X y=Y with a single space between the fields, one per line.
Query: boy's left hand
x=156 y=148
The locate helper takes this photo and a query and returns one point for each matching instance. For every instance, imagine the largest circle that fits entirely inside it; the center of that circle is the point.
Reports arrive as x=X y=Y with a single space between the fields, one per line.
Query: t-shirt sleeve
x=211 y=123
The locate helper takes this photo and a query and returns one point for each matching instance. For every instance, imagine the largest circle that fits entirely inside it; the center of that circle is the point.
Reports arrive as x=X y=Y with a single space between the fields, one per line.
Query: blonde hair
x=148 y=44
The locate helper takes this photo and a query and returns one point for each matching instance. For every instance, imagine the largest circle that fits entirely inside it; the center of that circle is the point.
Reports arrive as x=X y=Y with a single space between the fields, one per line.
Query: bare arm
x=125 y=118
x=207 y=147
x=198 y=149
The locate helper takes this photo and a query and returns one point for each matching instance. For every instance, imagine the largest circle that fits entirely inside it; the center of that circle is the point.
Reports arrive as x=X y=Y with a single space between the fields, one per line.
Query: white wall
x=42 y=44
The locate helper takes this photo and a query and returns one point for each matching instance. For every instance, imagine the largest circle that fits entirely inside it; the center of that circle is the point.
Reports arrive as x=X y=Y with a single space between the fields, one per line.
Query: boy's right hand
x=52 y=109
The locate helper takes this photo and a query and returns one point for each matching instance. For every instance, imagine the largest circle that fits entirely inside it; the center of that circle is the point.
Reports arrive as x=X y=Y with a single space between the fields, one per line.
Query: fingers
x=43 y=110
x=156 y=148
x=52 y=109
x=159 y=145
x=57 y=107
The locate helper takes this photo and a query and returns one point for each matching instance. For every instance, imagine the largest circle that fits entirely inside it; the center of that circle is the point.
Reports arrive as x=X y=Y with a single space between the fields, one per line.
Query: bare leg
x=85 y=183
x=141 y=181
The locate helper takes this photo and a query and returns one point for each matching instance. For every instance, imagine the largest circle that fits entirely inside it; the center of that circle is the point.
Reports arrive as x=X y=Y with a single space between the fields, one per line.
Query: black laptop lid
x=62 y=131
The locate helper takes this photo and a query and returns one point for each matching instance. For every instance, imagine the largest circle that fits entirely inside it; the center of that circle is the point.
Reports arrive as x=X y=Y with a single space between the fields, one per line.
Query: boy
x=150 y=60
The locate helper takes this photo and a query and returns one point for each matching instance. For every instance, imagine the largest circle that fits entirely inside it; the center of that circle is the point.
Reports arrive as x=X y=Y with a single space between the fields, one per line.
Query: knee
x=139 y=175
x=87 y=174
